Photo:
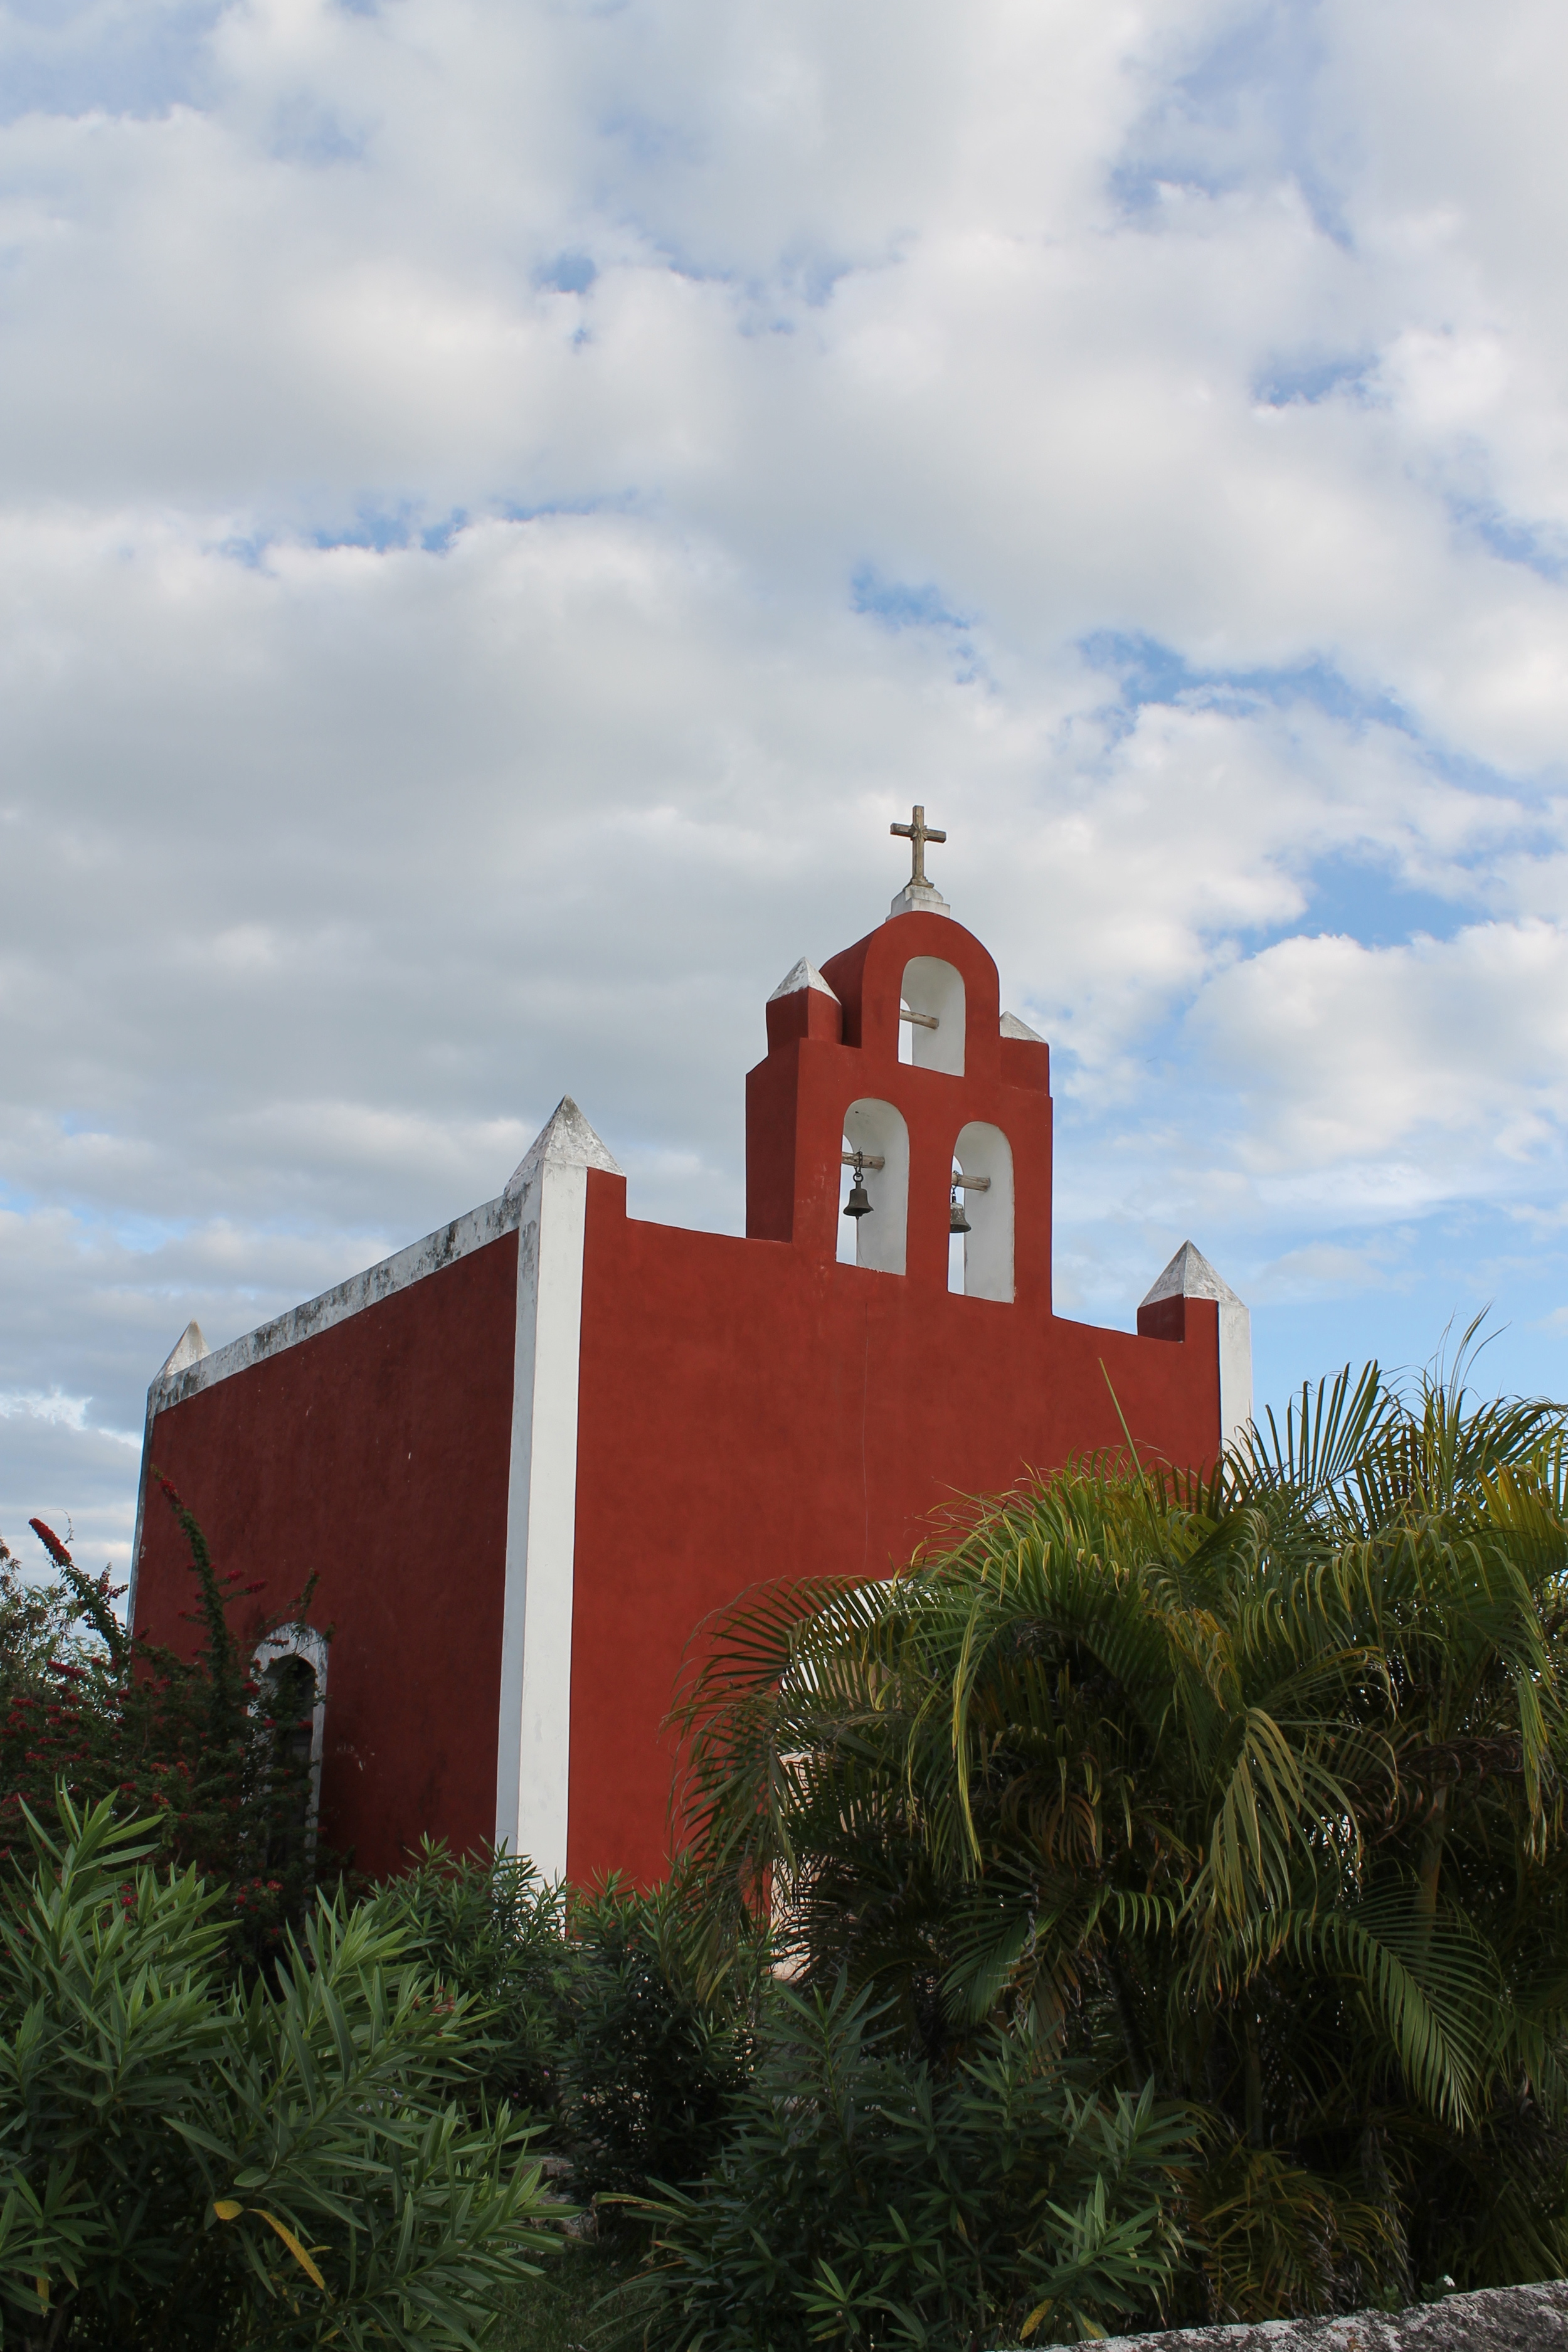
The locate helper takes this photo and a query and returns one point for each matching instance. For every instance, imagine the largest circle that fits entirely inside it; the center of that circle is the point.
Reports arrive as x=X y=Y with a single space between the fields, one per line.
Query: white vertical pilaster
x=1190 y=1275
x=535 y=1710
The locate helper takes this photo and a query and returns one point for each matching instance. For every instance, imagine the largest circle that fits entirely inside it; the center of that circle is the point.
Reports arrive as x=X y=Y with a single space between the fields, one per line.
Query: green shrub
x=188 y=2163
x=489 y=1926
x=654 y=2058
x=594 y=2014
x=866 y=2200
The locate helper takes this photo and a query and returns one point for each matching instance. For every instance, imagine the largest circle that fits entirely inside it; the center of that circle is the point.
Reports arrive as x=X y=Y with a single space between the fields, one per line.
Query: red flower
x=51 y=1544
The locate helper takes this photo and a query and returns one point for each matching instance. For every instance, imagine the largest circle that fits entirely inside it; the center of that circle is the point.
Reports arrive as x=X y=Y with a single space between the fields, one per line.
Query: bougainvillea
x=88 y=1705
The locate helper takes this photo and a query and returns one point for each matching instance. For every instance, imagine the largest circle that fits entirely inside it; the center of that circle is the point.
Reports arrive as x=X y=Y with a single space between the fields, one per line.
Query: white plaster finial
x=919 y=898
x=1013 y=1027
x=799 y=976
x=188 y=1348
x=565 y=1140
x=1190 y=1275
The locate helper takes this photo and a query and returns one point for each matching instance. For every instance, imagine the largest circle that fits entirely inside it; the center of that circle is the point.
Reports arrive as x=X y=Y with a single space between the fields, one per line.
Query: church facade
x=530 y=1455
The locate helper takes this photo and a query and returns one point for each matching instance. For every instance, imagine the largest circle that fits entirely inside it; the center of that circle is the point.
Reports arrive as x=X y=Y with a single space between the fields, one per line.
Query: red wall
x=378 y=1453
x=753 y=1410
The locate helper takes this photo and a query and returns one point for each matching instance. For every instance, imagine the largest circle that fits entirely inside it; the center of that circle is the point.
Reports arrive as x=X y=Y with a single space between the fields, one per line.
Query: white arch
x=983 y=1151
x=301 y=1642
x=881 y=1240
x=935 y=990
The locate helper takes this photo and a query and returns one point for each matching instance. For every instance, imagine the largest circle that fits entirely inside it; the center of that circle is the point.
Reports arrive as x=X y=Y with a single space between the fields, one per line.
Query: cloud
x=500 y=506
x=71 y=1411
x=1353 y=1053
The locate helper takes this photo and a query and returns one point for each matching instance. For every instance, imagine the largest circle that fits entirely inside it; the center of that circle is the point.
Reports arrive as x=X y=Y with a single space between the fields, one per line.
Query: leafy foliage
x=596 y=2013
x=187 y=2162
x=654 y=2057
x=490 y=1927
x=865 y=2199
x=1251 y=1785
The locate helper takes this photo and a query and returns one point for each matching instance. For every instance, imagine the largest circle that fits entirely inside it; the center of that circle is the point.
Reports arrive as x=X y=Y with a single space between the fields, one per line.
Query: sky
x=503 y=501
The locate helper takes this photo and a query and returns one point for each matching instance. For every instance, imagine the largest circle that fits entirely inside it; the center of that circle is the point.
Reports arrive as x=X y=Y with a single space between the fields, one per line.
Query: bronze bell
x=957 y=1222
x=858 y=1204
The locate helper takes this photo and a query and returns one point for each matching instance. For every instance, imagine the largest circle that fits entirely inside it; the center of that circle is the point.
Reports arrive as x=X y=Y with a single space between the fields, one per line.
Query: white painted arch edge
x=301 y=1641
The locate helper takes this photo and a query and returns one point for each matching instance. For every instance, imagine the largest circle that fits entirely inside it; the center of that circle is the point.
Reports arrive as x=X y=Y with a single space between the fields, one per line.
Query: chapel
x=530 y=1455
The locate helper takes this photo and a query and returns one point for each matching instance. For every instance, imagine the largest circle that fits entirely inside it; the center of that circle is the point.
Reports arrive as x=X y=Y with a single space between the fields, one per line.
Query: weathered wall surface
x=1503 y=2319
x=376 y=1452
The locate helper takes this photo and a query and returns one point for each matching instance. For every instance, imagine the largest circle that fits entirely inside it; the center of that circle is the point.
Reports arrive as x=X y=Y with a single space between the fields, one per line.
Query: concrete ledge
x=1500 y=2319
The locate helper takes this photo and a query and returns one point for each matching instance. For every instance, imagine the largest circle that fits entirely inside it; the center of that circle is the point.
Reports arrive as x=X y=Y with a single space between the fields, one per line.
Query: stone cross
x=916 y=833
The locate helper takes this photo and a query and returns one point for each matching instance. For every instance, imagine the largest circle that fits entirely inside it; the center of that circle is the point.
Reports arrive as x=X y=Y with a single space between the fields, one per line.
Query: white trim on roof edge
x=185 y=1373
x=400 y=1272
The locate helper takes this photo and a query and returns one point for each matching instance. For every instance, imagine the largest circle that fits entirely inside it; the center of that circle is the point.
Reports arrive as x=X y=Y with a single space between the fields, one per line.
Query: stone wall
x=1503 y=2319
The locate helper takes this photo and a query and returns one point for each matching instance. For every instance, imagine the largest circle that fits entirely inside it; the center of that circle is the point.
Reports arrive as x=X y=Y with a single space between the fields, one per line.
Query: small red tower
x=529 y=1454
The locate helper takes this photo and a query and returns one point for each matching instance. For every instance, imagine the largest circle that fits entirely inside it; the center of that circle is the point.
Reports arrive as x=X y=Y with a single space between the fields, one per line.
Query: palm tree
x=1248 y=1784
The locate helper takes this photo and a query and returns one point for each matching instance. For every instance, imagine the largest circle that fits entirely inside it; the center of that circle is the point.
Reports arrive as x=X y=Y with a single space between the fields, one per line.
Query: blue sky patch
x=1541 y=548
x=902 y=603
x=68 y=59
x=1304 y=382
x=1243 y=113
x=1362 y=899
x=1150 y=671
x=569 y=273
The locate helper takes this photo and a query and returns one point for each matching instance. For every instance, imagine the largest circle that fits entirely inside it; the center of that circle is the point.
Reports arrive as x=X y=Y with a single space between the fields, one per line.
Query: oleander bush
x=656 y=2054
x=864 y=2197
x=598 y=2015
x=188 y=2159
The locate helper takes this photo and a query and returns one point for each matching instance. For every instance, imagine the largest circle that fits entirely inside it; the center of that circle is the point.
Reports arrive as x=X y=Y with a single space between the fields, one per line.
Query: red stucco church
x=530 y=1453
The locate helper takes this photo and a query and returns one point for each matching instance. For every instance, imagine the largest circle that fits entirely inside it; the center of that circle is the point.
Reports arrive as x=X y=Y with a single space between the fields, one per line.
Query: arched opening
x=291 y=1708
x=933 y=1013
x=879 y=1240
x=982 y=1181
